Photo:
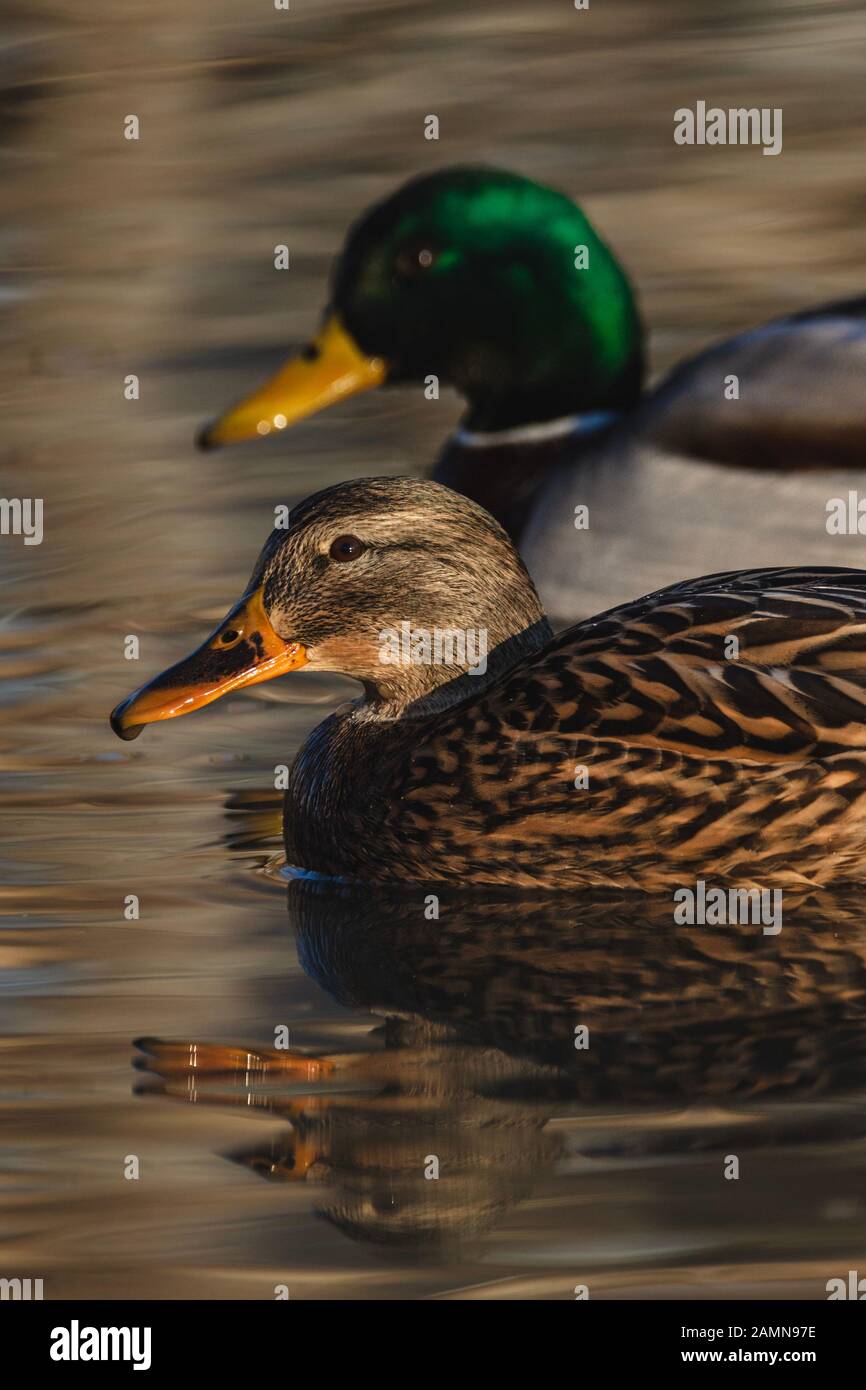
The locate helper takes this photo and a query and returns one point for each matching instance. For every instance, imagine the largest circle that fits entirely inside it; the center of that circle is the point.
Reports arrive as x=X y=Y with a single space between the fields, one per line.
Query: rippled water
x=156 y=258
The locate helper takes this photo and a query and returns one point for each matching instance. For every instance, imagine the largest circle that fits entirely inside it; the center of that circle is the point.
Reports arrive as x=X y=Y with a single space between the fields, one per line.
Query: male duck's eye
x=414 y=259
x=346 y=548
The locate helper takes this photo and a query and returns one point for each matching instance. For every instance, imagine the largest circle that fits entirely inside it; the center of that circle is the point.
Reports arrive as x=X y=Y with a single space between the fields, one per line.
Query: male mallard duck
x=502 y=288
x=715 y=729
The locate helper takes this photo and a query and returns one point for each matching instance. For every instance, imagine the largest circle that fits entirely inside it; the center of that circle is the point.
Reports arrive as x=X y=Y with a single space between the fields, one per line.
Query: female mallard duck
x=714 y=730
x=503 y=289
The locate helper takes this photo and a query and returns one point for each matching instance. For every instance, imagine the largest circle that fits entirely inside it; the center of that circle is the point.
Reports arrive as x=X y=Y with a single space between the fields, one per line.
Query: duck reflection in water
x=506 y=1014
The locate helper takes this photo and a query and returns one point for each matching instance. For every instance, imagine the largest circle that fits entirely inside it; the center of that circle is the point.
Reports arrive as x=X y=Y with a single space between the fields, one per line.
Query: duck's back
x=745 y=456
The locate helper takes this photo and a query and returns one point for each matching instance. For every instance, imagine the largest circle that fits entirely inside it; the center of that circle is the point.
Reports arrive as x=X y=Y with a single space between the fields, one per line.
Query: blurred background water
x=155 y=257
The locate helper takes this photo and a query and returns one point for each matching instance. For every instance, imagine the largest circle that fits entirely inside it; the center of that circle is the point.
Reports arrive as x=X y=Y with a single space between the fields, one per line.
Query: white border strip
x=535 y=434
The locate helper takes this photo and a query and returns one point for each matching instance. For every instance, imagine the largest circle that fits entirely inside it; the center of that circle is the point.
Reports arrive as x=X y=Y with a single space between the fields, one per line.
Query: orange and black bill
x=332 y=368
x=242 y=651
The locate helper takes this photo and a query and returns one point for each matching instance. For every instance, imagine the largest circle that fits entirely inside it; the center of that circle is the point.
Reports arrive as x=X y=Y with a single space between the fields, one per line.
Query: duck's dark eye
x=414 y=259
x=346 y=548
x=230 y=635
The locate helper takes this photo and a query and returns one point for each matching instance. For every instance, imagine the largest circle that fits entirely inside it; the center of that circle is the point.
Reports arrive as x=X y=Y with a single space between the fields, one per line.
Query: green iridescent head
x=494 y=284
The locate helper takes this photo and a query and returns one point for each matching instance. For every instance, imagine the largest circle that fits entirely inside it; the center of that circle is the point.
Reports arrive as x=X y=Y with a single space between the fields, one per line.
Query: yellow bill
x=331 y=369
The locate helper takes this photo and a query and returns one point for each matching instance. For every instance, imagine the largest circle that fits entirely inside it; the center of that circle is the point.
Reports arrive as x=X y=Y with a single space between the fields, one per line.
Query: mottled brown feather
x=748 y=770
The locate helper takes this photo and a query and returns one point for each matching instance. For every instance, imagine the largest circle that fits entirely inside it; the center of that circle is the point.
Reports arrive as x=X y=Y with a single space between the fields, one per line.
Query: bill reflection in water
x=521 y=1038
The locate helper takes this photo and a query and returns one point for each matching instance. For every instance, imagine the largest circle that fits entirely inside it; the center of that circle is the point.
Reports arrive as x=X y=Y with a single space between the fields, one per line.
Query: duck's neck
x=505 y=469
x=419 y=689
x=512 y=438
x=506 y=409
